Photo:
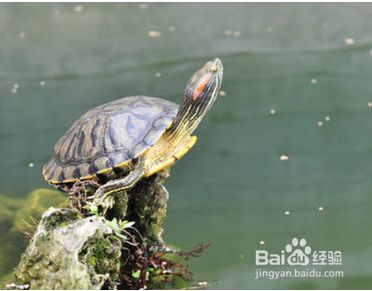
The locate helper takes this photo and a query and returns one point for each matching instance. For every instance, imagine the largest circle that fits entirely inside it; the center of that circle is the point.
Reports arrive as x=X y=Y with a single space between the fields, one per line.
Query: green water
x=305 y=61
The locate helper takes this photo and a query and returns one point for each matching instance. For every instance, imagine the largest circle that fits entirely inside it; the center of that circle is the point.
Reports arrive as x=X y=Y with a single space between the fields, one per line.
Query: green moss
x=61 y=218
x=119 y=210
x=147 y=206
x=101 y=266
x=92 y=262
x=100 y=249
x=102 y=255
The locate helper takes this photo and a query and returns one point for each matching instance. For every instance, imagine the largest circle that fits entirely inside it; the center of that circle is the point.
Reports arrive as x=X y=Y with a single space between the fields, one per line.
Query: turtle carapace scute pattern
x=109 y=136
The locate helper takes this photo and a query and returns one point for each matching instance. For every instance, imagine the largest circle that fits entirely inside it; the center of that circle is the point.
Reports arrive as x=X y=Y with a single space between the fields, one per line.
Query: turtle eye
x=199 y=88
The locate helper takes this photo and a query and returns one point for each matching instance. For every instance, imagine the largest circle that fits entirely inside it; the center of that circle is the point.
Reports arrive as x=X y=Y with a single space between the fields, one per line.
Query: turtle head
x=202 y=88
x=200 y=93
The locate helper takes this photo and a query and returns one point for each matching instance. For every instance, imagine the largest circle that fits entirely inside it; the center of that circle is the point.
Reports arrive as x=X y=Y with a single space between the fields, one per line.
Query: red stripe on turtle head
x=201 y=86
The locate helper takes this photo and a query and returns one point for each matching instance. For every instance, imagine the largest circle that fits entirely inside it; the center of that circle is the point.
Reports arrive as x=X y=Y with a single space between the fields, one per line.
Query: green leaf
x=122 y=223
x=93 y=209
x=136 y=274
x=122 y=236
x=129 y=224
x=113 y=224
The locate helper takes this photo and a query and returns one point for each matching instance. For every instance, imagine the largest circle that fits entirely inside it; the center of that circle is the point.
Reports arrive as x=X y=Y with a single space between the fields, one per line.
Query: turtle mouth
x=216 y=66
x=216 y=69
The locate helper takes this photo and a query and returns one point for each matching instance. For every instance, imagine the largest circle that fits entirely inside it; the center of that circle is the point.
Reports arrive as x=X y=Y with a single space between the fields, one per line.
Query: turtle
x=133 y=137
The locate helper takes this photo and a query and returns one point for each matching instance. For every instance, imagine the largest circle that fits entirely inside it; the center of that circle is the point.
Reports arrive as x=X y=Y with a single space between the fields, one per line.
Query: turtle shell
x=108 y=136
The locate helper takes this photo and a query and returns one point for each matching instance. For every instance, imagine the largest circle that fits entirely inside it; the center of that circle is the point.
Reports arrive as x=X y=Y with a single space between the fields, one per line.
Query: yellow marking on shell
x=69 y=181
x=174 y=158
x=123 y=164
x=104 y=171
x=89 y=177
x=54 y=182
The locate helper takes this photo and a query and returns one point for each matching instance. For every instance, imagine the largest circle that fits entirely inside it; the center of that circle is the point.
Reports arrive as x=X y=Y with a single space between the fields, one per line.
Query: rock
x=70 y=252
x=148 y=202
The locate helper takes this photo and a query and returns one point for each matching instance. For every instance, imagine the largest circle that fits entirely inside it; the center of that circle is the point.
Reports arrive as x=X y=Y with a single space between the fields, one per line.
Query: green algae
x=35 y=205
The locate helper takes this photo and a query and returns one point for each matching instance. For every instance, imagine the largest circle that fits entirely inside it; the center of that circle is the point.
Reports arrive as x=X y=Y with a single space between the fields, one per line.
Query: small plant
x=93 y=209
x=119 y=227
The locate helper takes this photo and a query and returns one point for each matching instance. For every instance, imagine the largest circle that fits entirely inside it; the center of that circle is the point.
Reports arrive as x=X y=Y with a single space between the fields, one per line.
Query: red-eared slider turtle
x=138 y=136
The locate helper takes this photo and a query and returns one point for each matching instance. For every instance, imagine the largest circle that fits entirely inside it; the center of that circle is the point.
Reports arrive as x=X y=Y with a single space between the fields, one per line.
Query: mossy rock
x=68 y=251
x=34 y=206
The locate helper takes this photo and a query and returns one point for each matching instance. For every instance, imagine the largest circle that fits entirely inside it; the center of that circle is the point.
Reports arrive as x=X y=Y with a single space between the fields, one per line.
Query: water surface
x=297 y=83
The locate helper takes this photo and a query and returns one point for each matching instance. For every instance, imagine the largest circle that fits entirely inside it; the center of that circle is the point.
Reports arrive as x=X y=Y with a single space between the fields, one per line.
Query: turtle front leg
x=103 y=195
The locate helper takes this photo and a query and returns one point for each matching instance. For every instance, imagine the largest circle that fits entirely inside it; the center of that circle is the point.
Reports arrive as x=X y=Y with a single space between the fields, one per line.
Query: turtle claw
x=108 y=202
x=101 y=199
